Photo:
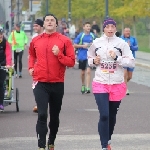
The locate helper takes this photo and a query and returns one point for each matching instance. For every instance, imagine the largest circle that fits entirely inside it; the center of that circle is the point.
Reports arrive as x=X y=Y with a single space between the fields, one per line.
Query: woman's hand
x=97 y=60
x=112 y=54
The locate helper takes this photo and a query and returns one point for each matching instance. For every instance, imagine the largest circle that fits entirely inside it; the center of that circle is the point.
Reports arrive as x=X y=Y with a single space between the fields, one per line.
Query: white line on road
x=81 y=142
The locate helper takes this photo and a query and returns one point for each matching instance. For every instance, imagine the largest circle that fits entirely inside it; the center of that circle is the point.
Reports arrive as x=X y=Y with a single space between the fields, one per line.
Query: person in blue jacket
x=133 y=47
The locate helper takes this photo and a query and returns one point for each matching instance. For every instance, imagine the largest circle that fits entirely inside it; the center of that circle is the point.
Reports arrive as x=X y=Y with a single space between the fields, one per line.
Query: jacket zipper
x=107 y=59
x=47 y=61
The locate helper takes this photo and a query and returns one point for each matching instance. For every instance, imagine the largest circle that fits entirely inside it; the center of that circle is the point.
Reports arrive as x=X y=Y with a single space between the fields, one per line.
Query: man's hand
x=55 y=50
x=31 y=71
x=86 y=46
x=97 y=60
x=112 y=54
x=129 y=42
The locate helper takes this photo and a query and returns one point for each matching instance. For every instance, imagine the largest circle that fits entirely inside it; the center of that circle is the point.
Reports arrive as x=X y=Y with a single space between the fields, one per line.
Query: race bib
x=108 y=66
x=18 y=50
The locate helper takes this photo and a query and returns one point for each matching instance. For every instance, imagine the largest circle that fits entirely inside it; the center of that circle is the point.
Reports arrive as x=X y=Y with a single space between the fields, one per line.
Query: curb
x=142 y=64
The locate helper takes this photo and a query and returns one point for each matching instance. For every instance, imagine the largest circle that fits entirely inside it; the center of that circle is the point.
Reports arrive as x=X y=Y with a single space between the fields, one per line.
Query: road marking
x=91 y=110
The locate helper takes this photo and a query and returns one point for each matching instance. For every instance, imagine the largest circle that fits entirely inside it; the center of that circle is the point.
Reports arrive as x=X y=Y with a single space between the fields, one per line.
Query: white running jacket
x=101 y=46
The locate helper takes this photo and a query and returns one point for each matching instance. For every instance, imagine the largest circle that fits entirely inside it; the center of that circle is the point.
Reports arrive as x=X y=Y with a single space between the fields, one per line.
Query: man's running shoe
x=83 y=89
x=41 y=148
x=127 y=92
x=104 y=149
x=1 y=108
x=50 y=147
x=87 y=90
x=20 y=75
x=108 y=147
x=35 y=109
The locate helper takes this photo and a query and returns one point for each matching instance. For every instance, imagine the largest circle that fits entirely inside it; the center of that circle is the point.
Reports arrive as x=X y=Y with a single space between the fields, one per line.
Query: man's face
x=64 y=25
x=1 y=36
x=87 y=27
x=17 y=28
x=94 y=22
x=126 y=32
x=110 y=30
x=50 y=23
x=37 y=28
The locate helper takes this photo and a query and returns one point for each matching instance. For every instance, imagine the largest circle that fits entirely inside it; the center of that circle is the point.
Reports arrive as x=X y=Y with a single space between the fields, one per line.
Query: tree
x=25 y=4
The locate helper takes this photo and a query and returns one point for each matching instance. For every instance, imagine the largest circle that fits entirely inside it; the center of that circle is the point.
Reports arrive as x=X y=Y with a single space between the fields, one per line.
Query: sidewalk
x=142 y=59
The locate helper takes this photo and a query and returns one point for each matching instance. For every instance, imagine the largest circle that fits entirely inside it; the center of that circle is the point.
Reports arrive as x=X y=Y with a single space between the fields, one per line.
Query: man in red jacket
x=49 y=54
x=5 y=60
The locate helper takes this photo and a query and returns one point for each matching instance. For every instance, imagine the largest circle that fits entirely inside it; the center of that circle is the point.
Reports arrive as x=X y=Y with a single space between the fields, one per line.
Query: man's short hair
x=86 y=23
x=50 y=15
x=18 y=25
x=39 y=22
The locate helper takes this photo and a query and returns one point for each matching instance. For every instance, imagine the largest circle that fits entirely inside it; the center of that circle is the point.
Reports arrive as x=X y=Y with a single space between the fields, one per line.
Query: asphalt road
x=79 y=117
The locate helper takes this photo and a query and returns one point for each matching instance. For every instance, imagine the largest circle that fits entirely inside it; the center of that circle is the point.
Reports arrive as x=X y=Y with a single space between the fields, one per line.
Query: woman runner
x=110 y=54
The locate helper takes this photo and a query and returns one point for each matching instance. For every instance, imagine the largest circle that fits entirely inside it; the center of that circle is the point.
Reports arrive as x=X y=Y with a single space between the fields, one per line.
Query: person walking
x=82 y=42
x=95 y=29
x=133 y=44
x=49 y=54
x=109 y=54
x=7 y=27
x=5 y=61
x=18 y=39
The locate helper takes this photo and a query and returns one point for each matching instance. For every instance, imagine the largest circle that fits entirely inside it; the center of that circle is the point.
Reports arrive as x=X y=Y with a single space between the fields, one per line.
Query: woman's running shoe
x=50 y=147
x=108 y=147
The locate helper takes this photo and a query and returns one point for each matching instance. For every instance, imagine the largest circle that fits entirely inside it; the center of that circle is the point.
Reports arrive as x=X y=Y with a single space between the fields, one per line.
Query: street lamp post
x=18 y=12
x=31 y=5
x=106 y=9
x=47 y=5
x=69 y=12
x=11 y=22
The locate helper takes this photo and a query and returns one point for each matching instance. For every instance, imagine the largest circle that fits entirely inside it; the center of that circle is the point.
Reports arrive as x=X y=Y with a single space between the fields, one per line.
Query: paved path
x=143 y=59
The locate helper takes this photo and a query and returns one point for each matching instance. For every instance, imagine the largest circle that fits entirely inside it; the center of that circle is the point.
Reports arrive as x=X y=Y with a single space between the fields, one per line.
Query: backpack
x=82 y=36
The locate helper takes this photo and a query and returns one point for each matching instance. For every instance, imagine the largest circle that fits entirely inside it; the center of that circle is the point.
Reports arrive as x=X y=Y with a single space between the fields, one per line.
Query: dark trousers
x=16 y=55
x=108 y=111
x=2 y=79
x=48 y=94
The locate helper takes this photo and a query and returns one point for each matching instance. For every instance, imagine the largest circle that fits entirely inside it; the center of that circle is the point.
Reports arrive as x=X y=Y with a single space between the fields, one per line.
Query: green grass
x=143 y=43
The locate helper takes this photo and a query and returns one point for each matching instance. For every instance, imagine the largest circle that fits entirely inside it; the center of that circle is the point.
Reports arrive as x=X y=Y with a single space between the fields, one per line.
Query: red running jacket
x=48 y=67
